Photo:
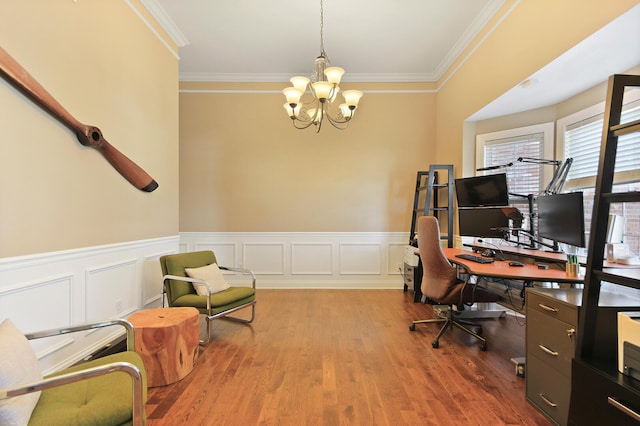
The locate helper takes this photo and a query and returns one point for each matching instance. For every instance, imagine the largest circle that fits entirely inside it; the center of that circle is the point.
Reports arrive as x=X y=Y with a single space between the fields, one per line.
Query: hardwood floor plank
x=347 y=357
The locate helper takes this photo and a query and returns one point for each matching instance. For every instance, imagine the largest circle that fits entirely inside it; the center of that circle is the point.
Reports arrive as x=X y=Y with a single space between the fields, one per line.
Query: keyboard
x=473 y=258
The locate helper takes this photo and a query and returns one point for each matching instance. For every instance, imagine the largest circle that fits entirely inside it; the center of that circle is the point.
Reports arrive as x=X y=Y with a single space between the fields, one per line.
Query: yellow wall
x=243 y=167
x=107 y=68
x=532 y=34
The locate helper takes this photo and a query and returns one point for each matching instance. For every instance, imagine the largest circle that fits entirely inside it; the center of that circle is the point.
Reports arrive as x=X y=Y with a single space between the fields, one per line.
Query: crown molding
x=165 y=22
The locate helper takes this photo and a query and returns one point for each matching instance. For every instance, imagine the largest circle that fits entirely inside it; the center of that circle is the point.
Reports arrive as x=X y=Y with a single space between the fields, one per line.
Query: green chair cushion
x=221 y=301
x=102 y=400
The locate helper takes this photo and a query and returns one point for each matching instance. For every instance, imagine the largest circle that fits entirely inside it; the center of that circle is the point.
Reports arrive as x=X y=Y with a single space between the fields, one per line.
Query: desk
x=501 y=269
x=553 y=258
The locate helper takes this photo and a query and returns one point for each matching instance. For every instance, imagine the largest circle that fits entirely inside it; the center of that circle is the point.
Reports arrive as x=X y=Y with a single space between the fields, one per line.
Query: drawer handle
x=547 y=308
x=547 y=350
x=549 y=403
x=620 y=406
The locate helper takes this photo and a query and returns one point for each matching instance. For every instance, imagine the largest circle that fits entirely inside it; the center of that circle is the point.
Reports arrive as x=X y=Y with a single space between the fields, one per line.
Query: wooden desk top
x=501 y=269
x=543 y=255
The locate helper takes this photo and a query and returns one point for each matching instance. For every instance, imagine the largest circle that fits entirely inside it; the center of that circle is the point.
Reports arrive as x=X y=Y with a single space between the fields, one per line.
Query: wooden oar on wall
x=91 y=136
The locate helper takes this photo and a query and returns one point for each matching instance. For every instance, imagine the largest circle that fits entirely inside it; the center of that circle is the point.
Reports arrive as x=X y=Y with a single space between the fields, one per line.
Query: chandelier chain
x=322 y=52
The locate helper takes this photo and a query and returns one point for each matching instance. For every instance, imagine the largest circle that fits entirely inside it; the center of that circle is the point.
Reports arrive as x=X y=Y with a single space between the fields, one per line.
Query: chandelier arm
x=338 y=124
x=305 y=126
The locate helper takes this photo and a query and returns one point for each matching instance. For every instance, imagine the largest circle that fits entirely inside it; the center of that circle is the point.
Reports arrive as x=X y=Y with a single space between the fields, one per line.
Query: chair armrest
x=243 y=271
x=63 y=379
x=88 y=326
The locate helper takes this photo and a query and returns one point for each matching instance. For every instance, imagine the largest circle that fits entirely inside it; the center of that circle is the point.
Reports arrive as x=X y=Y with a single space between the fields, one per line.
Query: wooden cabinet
x=551 y=332
x=550 y=346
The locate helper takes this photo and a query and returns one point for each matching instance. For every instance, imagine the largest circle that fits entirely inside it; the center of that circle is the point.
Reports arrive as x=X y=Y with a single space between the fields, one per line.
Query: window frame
x=548 y=131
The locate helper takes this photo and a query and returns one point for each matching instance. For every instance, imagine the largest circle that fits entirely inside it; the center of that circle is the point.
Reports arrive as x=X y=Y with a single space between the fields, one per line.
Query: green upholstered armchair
x=111 y=390
x=190 y=280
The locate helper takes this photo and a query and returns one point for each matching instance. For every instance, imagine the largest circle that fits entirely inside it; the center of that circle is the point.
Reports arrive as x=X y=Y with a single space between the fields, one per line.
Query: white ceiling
x=373 y=40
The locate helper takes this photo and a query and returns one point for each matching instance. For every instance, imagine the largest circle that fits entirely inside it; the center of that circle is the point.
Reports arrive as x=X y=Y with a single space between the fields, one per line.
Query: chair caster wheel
x=483 y=347
x=412 y=327
x=435 y=344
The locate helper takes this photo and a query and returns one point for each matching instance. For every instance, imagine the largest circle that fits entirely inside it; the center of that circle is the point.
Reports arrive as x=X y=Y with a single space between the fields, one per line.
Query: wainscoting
x=309 y=260
x=59 y=289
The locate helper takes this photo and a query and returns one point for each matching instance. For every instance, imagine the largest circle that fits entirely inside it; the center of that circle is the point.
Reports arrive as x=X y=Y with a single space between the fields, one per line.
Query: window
x=508 y=146
x=580 y=138
x=524 y=177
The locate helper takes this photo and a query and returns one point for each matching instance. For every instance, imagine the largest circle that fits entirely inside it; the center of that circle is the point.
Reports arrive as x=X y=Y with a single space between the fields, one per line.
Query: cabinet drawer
x=552 y=307
x=548 y=390
x=551 y=340
x=590 y=398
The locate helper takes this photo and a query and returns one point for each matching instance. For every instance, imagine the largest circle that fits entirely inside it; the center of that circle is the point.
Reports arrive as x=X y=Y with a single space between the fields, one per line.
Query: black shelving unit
x=434 y=196
x=600 y=394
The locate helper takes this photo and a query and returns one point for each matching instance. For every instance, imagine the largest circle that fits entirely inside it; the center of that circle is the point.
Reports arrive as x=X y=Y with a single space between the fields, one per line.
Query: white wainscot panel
x=111 y=291
x=360 y=259
x=31 y=305
x=152 y=279
x=264 y=258
x=226 y=253
x=311 y=259
x=396 y=258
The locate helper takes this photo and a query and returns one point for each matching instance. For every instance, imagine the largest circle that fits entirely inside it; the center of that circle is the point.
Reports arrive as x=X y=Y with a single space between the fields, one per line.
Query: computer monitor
x=561 y=218
x=482 y=191
x=488 y=222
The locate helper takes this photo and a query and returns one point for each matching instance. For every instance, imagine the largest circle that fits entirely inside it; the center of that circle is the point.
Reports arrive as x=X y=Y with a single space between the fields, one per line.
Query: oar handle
x=91 y=136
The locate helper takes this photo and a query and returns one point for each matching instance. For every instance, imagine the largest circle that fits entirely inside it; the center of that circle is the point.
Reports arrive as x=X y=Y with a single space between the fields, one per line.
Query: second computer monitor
x=484 y=222
x=482 y=191
x=561 y=218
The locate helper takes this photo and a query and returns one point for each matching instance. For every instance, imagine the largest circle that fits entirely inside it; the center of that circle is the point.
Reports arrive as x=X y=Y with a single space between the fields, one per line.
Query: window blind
x=523 y=178
x=582 y=141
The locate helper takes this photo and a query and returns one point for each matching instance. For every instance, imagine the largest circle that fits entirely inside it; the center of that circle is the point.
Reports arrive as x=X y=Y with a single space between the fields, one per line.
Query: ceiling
x=374 y=41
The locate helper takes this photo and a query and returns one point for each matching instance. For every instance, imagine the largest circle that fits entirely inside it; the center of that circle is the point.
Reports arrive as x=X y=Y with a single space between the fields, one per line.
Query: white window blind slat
x=582 y=142
x=522 y=178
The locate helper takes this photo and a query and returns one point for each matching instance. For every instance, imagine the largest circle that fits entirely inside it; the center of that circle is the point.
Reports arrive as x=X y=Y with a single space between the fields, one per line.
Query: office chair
x=441 y=285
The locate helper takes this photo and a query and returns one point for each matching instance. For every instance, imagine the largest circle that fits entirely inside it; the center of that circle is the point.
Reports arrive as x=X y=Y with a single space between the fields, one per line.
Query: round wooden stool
x=167 y=341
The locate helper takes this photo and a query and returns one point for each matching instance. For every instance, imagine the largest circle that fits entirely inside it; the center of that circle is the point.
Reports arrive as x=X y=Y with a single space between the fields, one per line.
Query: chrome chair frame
x=224 y=314
x=63 y=379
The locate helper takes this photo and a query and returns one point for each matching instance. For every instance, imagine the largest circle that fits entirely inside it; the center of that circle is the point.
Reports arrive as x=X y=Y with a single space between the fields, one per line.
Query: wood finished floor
x=347 y=357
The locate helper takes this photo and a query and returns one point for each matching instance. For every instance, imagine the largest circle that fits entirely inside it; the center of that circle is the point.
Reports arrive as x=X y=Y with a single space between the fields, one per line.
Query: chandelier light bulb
x=334 y=74
x=300 y=83
x=292 y=112
x=345 y=111
x=293 y=95
x=352 y=97
x=322 y=90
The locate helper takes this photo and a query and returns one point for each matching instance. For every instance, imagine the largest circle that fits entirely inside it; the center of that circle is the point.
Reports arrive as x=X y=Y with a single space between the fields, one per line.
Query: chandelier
x=321 y=94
